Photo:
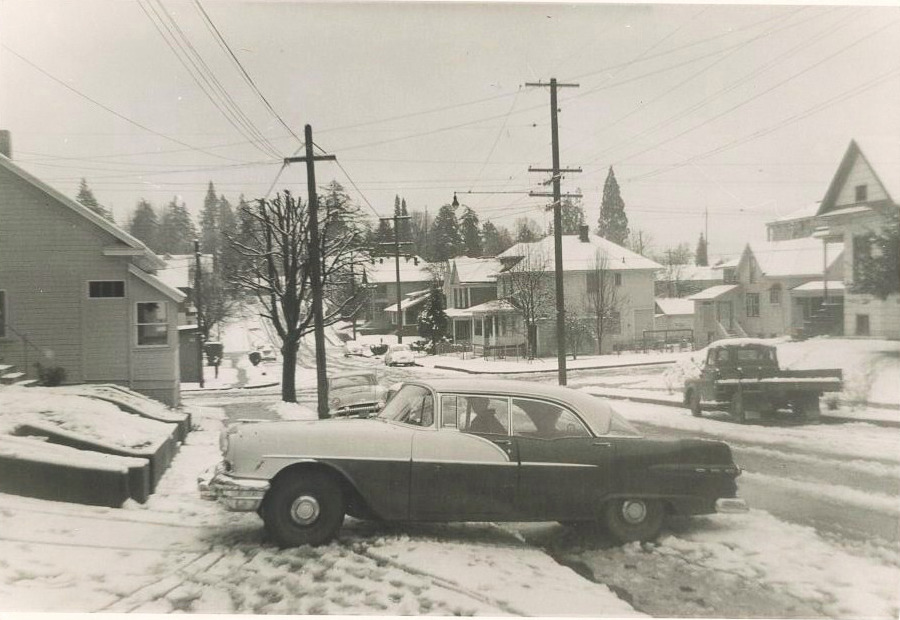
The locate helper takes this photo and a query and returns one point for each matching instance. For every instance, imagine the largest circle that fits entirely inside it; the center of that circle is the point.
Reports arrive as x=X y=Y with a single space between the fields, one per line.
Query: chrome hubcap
x=634 y=512
x=305 y=510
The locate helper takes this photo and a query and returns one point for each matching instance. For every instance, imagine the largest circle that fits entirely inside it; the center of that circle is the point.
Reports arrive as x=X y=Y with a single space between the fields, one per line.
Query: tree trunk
x=288 y=373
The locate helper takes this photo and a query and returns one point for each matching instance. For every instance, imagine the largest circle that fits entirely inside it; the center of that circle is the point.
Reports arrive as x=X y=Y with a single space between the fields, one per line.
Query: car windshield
x=413 y=404
x=339 y=383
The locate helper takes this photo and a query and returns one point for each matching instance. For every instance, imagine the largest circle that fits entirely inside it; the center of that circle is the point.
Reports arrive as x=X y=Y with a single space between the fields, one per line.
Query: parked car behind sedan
x=399 y=354
x=355 y=393
x=470 y=450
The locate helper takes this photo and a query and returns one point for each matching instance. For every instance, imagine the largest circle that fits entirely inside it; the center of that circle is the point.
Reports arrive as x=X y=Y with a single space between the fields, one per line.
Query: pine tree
x=405 y=225
x=86 y=197
x=613 y=223
x=228 y=228
x=572 y=216
x=433 y=321
x=144 y=224
x=471 y=235
x=527 y=230
x=876 y=259
x=496 y=239
x=700 y=257
x=445 y=239
x=210 y=240
x=177 y=230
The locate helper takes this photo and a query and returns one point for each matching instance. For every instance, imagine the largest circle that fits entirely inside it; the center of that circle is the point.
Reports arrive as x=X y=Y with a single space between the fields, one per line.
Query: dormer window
x=862 y=193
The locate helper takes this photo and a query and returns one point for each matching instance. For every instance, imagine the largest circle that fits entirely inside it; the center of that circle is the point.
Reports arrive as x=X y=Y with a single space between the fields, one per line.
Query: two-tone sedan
x=470 y=450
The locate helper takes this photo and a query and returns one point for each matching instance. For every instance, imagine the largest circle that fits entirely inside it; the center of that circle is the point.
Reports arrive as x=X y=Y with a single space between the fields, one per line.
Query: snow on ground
x=96 y=419
x=227 y=378
x=852 y=440
x=180 y=553
x=546 y=364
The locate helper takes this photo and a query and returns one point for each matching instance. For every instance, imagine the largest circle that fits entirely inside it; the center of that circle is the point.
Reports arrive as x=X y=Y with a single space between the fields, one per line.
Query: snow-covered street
x=821 y=539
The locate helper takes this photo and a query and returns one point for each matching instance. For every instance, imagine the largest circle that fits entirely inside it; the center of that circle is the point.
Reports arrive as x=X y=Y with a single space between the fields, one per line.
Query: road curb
x=668 y=403
x=531 y=372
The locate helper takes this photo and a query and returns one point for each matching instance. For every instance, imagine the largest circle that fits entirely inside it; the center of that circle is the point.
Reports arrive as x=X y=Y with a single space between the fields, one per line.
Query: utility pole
x=315 y=260
x=198 y=278
x=557 y=224
x=396 y=243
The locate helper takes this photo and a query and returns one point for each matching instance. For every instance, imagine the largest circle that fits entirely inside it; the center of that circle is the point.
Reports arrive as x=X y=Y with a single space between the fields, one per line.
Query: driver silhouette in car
x=485 y=420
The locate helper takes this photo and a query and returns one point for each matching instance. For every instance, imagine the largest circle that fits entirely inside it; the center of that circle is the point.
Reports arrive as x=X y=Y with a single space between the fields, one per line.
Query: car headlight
x=335 y=402
x=379 y=405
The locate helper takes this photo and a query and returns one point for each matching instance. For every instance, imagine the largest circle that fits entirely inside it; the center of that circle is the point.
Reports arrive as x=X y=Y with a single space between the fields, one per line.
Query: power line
x=110 y=110
x=190 y=59
x=223 y=43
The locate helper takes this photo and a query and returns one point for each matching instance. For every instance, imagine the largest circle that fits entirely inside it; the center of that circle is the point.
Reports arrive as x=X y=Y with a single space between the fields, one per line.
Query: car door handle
x=503 y=442
x=603 y=444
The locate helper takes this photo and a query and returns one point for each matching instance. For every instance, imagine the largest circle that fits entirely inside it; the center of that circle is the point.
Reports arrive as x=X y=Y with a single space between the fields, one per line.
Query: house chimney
x=5 y=143
x=583 y=232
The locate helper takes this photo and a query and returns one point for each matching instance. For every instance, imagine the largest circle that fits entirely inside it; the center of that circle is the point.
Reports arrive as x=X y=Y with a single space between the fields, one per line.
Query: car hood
x=250 y=445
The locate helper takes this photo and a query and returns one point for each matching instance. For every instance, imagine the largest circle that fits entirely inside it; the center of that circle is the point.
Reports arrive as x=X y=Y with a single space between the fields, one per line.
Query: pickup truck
x=742 y=374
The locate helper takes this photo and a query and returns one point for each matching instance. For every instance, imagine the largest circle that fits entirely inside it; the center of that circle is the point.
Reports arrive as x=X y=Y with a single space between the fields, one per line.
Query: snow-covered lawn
x=546 y=364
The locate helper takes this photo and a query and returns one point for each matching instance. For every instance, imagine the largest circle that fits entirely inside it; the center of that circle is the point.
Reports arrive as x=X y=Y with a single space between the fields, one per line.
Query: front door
x=467 y=467
x=725 y=314
x=563 y=469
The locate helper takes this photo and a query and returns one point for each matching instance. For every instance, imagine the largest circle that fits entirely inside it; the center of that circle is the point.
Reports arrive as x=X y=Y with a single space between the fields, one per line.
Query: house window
x=775 y=294
x=477 y=328
x=862 y=193
x=752 y=304
x=152 y=324
x=862 y=325
x=729 y=275
x=751 y=273
x=106 y=288
x=2 y=314
x=617 y=279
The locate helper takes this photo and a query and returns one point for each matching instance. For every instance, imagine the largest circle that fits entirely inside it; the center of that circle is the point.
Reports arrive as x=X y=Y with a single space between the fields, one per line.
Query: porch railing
x=27 y=345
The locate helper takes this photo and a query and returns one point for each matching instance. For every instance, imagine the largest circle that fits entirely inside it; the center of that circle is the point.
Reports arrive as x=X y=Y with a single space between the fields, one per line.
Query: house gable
x=854 y=172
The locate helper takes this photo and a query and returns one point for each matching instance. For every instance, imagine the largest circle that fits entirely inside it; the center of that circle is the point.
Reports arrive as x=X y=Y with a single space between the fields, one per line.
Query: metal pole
x=198 y=280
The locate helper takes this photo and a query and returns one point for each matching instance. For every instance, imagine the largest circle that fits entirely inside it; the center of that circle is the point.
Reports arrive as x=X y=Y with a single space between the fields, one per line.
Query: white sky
x=423 y=100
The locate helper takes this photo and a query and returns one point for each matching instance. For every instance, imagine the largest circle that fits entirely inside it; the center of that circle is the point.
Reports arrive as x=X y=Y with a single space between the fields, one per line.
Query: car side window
x=449 y=410
x=543 y=420
x=412 y=405
x=483 y=414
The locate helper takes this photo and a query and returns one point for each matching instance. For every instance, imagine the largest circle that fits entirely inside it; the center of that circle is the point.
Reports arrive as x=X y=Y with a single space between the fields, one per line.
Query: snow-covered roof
x=674 y=305
x=159 y=285
x=742 y=342
x=794 y=257
x=713 y=292
x=730 y=262
x=473 y=270
x=581 y=255
x=383 y=270
x=494 y=305
x=817 y=286
x=807 y=211
x=179 y=268
x=412 y=299
x=697 y=273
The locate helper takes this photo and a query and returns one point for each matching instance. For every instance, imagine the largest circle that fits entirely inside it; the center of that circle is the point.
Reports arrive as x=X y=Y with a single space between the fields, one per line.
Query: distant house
x=179 y=273
x=381 y=277
x=587 y=259
x=685 y=280
x=673 y=313
x=776 y=288
x=856 y=204
x=78 y=292
x=470 y=283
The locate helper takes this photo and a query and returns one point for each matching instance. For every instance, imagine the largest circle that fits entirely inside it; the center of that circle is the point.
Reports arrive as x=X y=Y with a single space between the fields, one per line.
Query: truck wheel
x=737 y=412
x=633 y=519
x=694 y=403
x=304 y=509
x=808 y=408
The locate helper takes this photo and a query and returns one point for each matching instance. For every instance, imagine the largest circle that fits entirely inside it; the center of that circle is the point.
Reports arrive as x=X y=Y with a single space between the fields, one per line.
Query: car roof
x=578 y=399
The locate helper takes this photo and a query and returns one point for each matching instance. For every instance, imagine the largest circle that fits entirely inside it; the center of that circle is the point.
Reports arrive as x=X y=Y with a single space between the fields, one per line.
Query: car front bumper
x=236 y=494
x=731 y=505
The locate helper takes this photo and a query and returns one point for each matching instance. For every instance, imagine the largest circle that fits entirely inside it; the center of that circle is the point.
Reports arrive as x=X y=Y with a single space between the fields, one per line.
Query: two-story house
x=416 y=277
x=79 y=293
x=590 y=264
x=470 y=283
x=774 y=289
x=858 y=203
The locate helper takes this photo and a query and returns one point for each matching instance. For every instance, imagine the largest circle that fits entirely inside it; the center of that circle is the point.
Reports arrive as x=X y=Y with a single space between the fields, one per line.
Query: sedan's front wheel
x=304 y=509
x=633 y=519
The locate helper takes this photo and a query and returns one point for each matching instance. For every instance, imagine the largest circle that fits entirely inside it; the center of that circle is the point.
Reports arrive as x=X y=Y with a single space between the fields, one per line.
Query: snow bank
x=95 y=419
x=293 y=411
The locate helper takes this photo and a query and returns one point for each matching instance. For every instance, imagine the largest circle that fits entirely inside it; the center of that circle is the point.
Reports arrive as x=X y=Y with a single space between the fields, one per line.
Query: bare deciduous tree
x=604 y=299
x=278 y=272
x=528 y=286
